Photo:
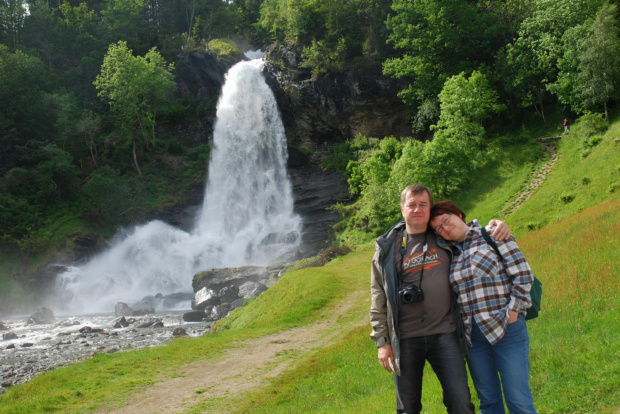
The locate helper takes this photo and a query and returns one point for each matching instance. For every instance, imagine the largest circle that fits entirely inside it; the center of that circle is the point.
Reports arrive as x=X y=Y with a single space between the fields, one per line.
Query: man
x=411 y=310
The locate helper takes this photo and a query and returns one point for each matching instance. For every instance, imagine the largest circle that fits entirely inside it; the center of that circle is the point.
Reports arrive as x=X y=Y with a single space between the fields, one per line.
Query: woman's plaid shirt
x=488 y=287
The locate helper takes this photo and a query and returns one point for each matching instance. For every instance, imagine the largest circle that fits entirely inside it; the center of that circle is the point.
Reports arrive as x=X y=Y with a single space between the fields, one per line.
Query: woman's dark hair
x=446 y=207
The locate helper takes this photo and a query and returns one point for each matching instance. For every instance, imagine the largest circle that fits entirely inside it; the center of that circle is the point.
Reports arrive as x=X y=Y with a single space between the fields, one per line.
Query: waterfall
x=247 y=215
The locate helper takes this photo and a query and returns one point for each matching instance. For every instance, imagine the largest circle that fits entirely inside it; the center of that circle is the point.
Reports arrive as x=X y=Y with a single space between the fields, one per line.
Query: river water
x=40 y=348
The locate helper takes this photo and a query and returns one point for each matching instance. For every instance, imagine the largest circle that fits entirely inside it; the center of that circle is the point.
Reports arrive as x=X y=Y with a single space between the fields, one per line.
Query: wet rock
x=251 y=290
x=237 y=303
x=150 y=323
x=43 y=316
x=2 y=327
x=9 y=336
x=204 y=298
x=179 y=332
x=12 y=346
x=122 y=309
x=217 y=312
x=194 y=316
x=121 y=323
x=228 y=294
x=27 y=345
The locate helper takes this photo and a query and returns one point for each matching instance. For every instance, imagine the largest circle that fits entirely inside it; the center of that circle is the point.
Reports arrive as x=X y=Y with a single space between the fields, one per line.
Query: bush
x=588 y=144
x=567 y=198
x=591 y=124
x=225 y=50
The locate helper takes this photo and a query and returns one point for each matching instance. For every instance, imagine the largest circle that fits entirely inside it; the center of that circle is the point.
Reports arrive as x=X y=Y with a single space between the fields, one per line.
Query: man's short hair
x=415 y=189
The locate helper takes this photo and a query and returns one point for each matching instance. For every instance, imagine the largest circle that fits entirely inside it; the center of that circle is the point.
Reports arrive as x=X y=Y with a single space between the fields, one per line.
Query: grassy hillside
x=575 y=343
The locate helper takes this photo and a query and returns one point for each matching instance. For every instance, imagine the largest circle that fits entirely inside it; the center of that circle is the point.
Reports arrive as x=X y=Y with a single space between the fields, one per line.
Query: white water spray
x=247 y=215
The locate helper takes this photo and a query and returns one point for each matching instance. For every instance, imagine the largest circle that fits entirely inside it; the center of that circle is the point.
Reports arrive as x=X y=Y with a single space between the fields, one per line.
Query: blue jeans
x=507 y=359
x=446 y=358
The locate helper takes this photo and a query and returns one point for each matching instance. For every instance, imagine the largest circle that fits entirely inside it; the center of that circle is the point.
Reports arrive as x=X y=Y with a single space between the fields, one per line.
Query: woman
x=493 y=297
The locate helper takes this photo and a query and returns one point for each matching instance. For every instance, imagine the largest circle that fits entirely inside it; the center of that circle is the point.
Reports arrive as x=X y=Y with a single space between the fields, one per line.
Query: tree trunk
x=135 y=158
x=606 y=112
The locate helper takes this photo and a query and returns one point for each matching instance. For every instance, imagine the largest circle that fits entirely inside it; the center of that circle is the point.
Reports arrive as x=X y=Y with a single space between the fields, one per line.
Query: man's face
x=416 y=210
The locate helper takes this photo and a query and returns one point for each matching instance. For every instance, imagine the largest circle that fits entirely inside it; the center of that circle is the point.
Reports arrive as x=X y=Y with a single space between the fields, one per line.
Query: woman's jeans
x=446 y=358
x=507 y=359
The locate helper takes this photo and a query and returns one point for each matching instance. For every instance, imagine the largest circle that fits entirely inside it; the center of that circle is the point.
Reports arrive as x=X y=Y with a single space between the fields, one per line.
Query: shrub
x=567 y=198
x=225 y=50
x=591 y=124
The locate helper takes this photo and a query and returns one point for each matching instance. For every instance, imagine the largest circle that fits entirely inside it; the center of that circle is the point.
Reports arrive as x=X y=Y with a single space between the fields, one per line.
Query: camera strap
x=403 y=251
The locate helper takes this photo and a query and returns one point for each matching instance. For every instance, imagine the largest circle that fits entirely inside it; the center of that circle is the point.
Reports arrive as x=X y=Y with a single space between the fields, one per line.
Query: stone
x=204 y=298
x=150 y=323
x=237 y=304
x=121 y=323
x=194 y=316
x=179 y=332
x=251 y=290
x=43 y=316
x=9 y=336
x=218 y=312
x=228 y=294
x=122 y=309
x=2 y=327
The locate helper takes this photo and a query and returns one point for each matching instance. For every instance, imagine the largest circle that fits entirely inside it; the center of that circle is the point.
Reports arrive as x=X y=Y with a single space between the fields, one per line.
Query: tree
x=598 y=79
x=24 y=114
x=465 y=103
x=12 y=14
x=135 y=88
x=438 y=40
x=530 y=65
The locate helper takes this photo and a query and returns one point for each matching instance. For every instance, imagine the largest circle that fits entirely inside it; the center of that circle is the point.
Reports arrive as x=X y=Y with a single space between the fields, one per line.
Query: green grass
x=601 y=170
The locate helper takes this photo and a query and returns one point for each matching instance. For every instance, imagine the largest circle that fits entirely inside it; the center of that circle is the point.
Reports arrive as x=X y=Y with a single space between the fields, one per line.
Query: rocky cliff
x=335 y=106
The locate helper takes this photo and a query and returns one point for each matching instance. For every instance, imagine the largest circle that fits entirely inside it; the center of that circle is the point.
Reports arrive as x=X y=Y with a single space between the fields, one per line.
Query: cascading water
x=247 y=215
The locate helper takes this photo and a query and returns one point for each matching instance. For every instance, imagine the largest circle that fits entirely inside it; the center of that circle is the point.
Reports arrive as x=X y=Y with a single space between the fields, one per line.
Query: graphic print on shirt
x=413 y=262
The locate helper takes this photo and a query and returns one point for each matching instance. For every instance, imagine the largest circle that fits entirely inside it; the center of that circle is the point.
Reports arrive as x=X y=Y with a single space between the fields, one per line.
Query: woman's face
x=450 y=227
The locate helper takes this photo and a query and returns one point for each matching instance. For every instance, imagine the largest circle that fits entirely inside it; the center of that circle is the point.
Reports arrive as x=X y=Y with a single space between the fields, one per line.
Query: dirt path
x=536 y=178
x=242 y=368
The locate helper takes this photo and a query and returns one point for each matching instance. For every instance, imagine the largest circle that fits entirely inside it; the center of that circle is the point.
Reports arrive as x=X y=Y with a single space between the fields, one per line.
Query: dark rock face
x=334 y=106
x=315 y=190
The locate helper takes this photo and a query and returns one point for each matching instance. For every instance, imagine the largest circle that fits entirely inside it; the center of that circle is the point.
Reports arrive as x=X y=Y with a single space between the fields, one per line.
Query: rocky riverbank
x=28 y=349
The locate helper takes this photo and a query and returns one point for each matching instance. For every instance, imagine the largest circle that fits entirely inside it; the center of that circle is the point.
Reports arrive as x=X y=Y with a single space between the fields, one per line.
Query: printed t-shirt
x=432 y=315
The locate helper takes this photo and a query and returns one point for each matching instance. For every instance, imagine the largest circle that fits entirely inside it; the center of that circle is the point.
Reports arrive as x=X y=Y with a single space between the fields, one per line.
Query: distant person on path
x=566 y=125
x=493 y=296
x=413 y=313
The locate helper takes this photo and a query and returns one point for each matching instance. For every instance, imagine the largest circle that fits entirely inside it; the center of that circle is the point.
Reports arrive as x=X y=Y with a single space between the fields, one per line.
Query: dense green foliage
x=66 y=152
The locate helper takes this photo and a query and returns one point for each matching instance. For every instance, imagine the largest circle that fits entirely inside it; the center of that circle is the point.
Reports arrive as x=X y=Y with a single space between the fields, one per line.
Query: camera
x=411 y=294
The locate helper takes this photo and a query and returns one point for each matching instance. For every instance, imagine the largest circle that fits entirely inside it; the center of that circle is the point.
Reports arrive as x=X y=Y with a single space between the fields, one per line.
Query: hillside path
x=536 y=178
x=243 y=367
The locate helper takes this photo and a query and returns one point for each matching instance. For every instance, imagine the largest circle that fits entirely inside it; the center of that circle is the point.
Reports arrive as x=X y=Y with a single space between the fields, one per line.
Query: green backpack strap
x=536 y=289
